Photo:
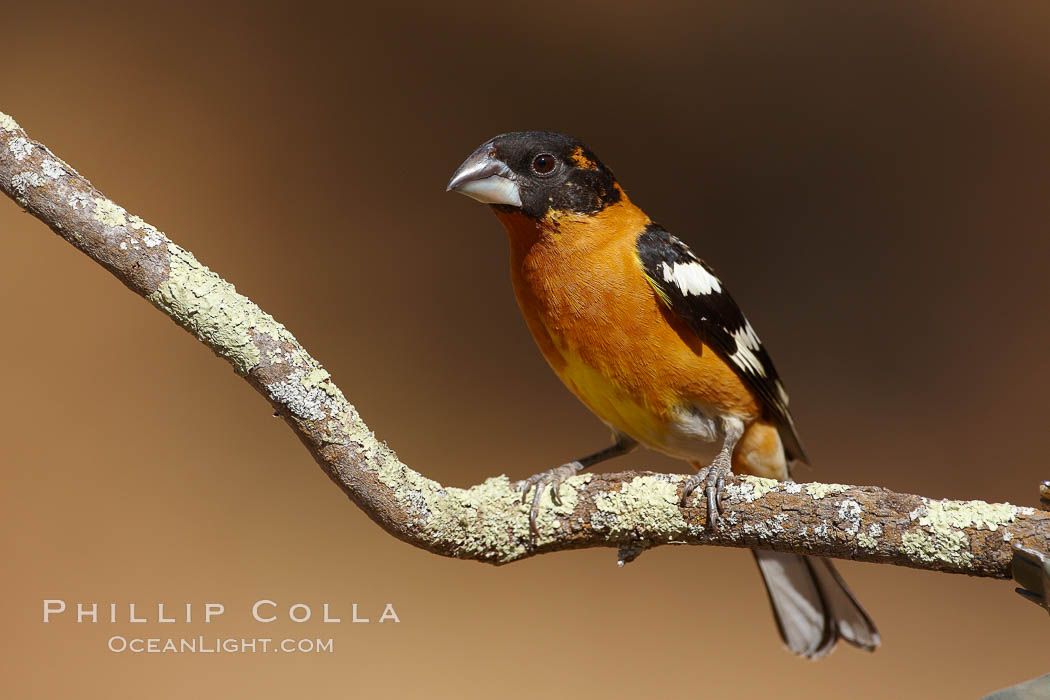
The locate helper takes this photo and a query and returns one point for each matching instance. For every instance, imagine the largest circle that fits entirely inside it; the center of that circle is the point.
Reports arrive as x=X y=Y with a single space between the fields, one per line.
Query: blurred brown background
x=871 y=179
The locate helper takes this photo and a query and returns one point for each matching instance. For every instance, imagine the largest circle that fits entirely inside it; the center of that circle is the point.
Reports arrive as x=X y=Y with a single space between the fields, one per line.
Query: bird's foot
x=713 y=477
x=552 y=478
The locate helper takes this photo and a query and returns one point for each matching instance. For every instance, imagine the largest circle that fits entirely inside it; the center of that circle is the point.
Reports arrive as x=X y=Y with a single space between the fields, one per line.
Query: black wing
x=690 y=288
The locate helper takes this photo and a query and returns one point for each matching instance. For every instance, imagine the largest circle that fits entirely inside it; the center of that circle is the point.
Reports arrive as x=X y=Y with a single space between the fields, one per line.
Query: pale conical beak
x=487 y=179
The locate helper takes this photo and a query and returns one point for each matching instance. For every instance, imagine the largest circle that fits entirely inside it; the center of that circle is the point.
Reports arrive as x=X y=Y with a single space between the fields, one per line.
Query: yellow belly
x=614 y=405
x=691 y=431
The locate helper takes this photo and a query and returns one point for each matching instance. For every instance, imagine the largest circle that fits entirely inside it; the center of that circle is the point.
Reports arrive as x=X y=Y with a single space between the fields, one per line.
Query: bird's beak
x=486 y=178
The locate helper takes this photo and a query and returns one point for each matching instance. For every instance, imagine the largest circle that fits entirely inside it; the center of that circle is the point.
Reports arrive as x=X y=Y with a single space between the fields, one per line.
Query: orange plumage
x=607 y=336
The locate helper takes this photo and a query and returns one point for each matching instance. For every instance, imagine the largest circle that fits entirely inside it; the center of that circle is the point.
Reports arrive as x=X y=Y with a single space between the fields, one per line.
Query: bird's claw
x=551 y=477
x=713 y=477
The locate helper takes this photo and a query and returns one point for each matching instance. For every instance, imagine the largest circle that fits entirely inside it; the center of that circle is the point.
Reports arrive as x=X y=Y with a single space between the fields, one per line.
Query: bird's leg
x=555 y=477
x=714 y=475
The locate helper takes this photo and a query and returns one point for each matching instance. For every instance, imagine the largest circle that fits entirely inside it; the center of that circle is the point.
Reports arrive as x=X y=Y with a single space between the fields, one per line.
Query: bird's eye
x=544 y=164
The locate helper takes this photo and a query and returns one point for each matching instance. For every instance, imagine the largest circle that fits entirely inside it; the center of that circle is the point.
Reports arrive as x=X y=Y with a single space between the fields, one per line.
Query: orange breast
x=581 y=288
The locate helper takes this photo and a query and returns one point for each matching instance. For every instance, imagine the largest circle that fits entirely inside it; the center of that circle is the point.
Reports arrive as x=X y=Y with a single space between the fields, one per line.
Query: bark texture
x=630 y=511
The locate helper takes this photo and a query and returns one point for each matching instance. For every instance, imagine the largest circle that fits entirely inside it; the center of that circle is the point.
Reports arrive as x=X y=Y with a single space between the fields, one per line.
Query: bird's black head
x=534 y=172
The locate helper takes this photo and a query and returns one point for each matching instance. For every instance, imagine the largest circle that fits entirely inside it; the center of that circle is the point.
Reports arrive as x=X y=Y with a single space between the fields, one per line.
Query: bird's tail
x=812 y=605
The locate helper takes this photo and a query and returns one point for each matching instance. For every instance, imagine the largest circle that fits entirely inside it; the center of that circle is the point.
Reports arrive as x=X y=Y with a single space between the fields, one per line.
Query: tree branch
x=631 y=511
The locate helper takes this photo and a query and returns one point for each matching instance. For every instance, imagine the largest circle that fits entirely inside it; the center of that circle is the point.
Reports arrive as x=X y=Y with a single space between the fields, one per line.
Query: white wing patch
x=692 y=278
x=746 y=344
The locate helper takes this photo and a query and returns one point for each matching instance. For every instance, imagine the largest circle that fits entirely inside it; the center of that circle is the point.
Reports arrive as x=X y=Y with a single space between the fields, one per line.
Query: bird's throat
x=523 y=231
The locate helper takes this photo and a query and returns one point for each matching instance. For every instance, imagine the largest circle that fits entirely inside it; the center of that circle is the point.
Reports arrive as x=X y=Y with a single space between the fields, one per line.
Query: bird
x=647 y=336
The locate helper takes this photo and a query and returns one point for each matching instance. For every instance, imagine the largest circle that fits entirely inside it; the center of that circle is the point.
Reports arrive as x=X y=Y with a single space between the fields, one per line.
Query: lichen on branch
x=629 y=511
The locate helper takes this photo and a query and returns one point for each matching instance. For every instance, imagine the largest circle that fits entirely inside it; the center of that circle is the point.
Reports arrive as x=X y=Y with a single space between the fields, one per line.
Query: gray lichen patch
x=308 y=393
x=150 y=235
x=850 y=513
x=314 y=378
x=487 y=518
x=210 y=307
x=153 y=238
x=766 y=528
x=949 y=546
x=962 y=514
x=305 y=399
x=552 y=517
x=645 y=504
x=870 y=539
x=7 y=123
x=20 y=147
x=78 y=200
x=108 y=213
x=52 y=168
x=752 y=488
x=748 y=490
x=819 y=491
x=23 y=181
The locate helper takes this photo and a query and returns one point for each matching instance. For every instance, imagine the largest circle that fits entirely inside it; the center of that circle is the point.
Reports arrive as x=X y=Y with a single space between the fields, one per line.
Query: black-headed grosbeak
x=646 y=335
